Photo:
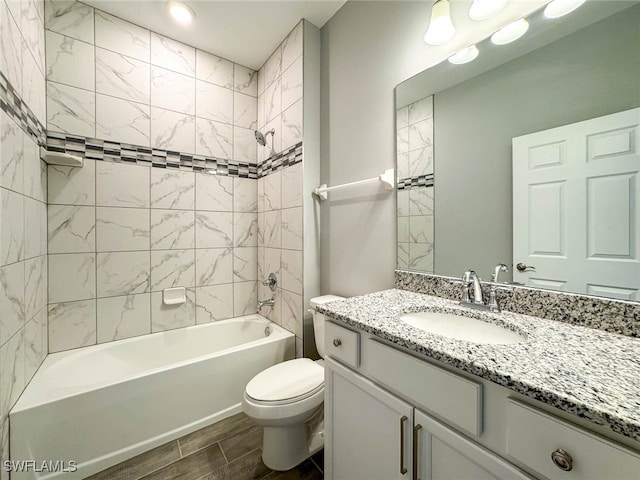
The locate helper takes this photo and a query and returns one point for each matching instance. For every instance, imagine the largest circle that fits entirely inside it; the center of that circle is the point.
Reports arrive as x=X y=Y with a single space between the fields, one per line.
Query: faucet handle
x=501 y=267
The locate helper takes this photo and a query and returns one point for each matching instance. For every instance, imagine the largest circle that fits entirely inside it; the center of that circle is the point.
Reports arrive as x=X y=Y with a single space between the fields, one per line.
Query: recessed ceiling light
x=465 y=56
x=481 y=9
x=510 y=33
x=558 y=8
x=441 y=29
x=181 y=12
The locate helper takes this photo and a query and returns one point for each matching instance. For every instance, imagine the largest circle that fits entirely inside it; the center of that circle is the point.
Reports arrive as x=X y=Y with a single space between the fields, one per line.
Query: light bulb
x=558 y=8
x=465 y=56
x=181 y=12
x=510 y=33
x=441 y=29
x=481 y=9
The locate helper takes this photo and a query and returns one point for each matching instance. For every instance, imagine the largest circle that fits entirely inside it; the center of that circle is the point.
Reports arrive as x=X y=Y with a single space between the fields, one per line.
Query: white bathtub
x=103 y=404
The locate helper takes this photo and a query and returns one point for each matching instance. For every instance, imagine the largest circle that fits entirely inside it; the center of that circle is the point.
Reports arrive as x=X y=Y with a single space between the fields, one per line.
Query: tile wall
x=280 y=226
x=414 y=126
x=23 y=246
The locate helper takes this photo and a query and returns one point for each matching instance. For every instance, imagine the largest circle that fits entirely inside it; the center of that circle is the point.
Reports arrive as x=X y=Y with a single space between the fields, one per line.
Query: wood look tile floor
x=227 y=450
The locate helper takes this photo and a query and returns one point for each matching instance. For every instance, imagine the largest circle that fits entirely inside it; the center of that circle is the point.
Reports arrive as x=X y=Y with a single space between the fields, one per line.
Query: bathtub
x=100 y=405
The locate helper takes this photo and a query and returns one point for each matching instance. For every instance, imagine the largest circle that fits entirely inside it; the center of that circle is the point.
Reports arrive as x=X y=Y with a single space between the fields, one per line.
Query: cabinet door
x=367 y=430
x=442 y=454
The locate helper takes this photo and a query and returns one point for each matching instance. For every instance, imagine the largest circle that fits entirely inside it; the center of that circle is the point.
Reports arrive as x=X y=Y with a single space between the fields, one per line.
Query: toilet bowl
x=287 y=401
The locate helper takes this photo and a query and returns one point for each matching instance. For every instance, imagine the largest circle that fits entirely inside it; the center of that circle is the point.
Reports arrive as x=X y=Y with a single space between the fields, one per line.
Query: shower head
x=262 y=138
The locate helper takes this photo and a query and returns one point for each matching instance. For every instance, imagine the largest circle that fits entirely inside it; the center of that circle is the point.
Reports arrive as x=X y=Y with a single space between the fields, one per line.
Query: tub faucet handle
x=271 y=282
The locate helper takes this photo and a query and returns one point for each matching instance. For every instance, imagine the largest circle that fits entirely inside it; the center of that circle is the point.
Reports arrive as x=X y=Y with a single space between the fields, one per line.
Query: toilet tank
x=319 y=319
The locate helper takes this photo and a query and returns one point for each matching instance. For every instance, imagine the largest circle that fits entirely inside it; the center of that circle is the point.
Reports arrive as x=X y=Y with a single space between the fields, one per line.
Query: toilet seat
x=286 y=383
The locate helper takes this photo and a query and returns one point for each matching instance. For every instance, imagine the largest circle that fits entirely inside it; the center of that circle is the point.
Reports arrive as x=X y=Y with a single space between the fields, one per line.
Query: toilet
x=287 y=401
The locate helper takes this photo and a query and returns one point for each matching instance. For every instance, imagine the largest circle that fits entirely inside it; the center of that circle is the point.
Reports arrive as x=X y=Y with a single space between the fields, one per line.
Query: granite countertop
x=586 y=372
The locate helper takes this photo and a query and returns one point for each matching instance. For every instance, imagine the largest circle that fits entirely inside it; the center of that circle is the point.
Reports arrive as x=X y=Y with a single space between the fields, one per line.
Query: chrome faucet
x=471 y=298
x=266 y=303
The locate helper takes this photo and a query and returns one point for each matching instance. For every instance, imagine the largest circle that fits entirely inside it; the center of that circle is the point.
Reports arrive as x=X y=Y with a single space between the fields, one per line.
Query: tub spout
x=266 y=303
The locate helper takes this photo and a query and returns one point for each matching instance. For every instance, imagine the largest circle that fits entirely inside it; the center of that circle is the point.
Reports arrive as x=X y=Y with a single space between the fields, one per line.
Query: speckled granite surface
x=614 y=316
x=584 y=371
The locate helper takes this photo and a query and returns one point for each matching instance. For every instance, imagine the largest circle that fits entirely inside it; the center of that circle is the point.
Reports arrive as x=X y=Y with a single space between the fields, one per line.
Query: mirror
x=458 y=205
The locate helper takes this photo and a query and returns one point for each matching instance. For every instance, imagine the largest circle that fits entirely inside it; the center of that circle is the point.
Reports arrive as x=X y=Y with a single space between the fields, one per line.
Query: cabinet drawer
x=455 y=399
x=342 y=344
x=533 y=435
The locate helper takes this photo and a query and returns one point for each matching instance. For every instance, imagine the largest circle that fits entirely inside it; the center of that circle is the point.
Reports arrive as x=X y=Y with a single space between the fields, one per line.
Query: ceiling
x=245 y=32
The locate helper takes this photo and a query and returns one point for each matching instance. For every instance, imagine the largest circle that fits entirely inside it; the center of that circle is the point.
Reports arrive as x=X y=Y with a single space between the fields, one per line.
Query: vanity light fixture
x=465 y=56
x=181 y=12
x=441 y=29
x=559 y=8
x=481 y=9
x=510 y=33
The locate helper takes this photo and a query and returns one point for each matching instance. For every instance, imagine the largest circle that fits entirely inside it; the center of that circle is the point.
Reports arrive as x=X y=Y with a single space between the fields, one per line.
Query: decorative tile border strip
x=284 y=159
x=614 y=316
x=413 y=182
x=13 y=105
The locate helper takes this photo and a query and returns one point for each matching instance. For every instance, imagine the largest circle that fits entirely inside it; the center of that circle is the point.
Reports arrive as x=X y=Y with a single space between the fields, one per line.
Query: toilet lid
x=286 y=381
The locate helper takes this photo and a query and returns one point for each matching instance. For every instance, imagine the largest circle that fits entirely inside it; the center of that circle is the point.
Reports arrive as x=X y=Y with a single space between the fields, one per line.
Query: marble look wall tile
x=172 y=268
x=421 y=229
x=12 y=300
x=12 y=245
x=292 y=125
x=172 y=131
x=11 y=51
x=421 y=201
x=245 y=229
x=71 y=110
x=291 y=316
x=272 y=263
x=245 y=261
x=275 y=146
x=261 y=85
x=120 y=185
x=273 y=191
x=214 y=139
x=67 y=61
x=72 y=277
x=173 y=91
x=292 y=84
x=292 y=228
x=122 y=273
x=403 y=255
x=11 y=375
x=214 y=102
x=71 y=229
x=245 y=111
x=292 y=186
x=172 y=229
x=11 y=154
x=35 y=228
x=175 y=56
x=214 y=303
x=273 y=229
x=420 y=110
x=122 y=229
x=403 y=229
x=72 y=325
x=402 y=164
x=72 y=186
x=123 y=317
x=421 y=162
x=421 y=134
x=213 y=69
x=292 y=271
x=122 y=121
x=123 y=77
x=214 y=266
x=35 y=285
x=273 y=68
x=34 y=87
x=244 y=145
x=245 y=196
x=272 y=103
x=70 y=18
x=35 y=171
x=292 y=46
x=122 y=37
x=402 y=117
x=245 y=298
x=167 y=317
x=214 y=193
x=172 y=189
x=421 y=257
x=214 y=229
x=403 y=203
x=245 y=80
x=35 y=344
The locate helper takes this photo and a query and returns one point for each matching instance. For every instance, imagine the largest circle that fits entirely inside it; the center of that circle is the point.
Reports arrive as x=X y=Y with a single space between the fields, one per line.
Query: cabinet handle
x=562 y=460
x=337 y=342
x=416 y=450
x=403 y=468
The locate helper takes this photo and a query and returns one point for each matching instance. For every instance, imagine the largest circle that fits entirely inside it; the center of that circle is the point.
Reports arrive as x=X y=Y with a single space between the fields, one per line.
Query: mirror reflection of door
x=576 y=224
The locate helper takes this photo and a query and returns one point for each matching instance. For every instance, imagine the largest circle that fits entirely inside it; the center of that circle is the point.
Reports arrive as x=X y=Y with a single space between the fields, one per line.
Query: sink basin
x=462 y=328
